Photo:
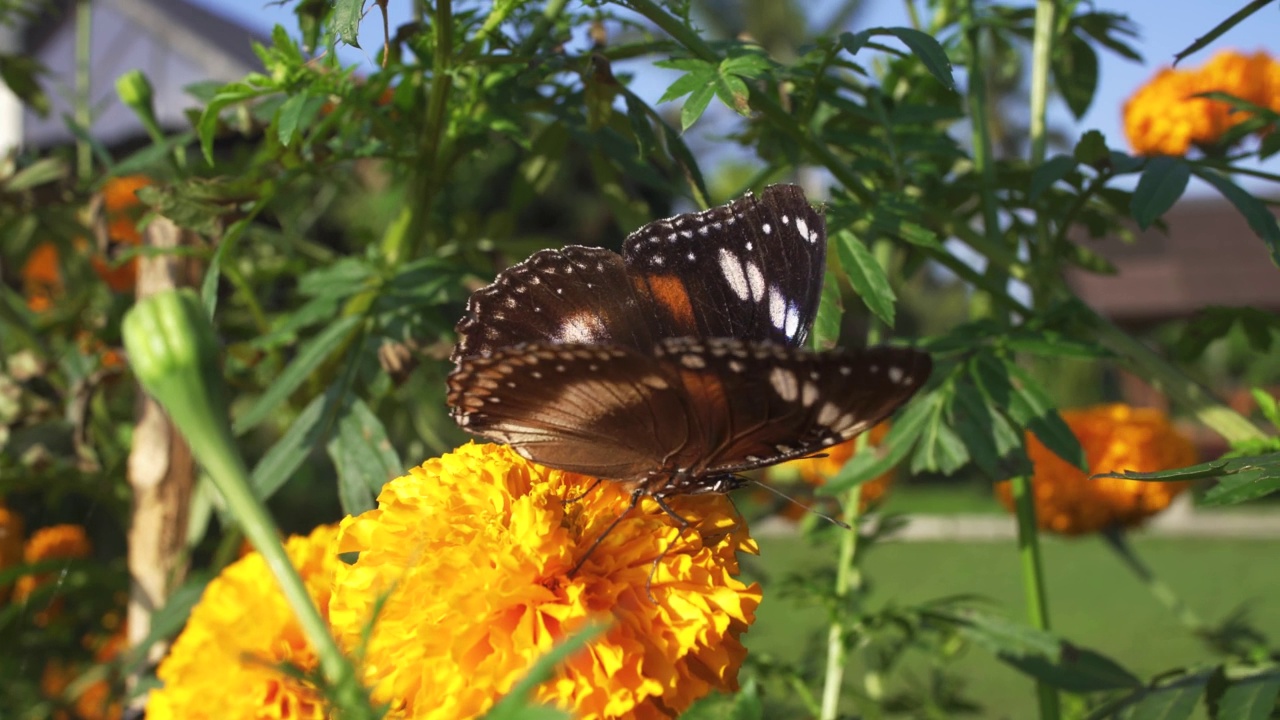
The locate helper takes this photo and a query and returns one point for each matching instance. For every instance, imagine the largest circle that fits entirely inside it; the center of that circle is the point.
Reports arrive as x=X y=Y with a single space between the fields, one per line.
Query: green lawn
x=1094 y=600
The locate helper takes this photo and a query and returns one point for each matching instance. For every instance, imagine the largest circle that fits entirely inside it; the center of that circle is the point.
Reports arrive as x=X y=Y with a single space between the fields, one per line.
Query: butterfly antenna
x=635 y=500
x=806 y=508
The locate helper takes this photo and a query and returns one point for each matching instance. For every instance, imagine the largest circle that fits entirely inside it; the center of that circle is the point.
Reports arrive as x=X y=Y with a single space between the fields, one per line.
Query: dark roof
x=233 y=38
x=1209 y=256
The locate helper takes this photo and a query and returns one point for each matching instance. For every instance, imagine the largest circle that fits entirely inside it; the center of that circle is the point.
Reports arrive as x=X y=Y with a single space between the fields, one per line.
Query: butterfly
x=678 y=365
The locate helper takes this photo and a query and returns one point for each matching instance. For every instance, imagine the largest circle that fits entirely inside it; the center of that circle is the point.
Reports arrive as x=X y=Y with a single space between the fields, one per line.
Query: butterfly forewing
x=750 y=270
x=573 y=295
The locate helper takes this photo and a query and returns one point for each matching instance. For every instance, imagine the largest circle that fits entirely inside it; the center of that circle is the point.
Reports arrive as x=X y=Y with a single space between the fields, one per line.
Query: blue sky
x=1165 y=26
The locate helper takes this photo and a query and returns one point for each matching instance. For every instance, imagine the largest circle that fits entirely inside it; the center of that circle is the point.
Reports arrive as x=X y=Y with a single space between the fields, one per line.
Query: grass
x=1094 y=601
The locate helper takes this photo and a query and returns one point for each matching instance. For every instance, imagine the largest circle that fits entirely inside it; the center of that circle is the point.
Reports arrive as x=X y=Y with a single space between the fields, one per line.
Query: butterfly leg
x=587 y=492
x=684 y=525
x=635 y=500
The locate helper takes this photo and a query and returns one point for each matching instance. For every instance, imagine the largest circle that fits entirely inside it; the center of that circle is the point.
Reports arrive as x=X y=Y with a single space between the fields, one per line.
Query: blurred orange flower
x=97 y=700
x=41 y=274
x=11 y=536
x=56 y=542
x=1164 y=118
x=1115 y=438
x=817 y=471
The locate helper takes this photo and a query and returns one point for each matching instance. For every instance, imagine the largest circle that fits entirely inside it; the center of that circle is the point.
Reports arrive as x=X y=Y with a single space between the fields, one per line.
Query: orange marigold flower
x=1164 y=118
x=1115 y=438
x=50 y=543
x=11 y=533
x=237 y=637
x=473 y=552
x=41 y=277
x=97 y=700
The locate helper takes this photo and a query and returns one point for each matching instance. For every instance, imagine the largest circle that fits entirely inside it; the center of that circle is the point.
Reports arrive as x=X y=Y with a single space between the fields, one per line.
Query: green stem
x=81 y=110
x=848 y=574
x=399 y=245
x=982 y=304
x=1032 y=563
x=848 y=580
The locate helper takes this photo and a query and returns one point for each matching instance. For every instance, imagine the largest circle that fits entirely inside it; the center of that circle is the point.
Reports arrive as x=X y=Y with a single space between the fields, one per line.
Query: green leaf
x=1162 y=183
x=1252 y=699
x=1221 y=28
x=363 y=457
x=38 y=173
x=921 y=44
x=346 y=20
x=696 y=105
x=1267 y=405
x=1240 y=478
x=1075 y=72
x=1173 y=702
x=292 y=449
x=1210 y=469
x=1092 y=149
x=1033 y=408
x=1048 y=173
x=1254 y=210
x=310 y=356
x=826 y=326
x=941 y=449
x=867 y=276
x=297 y=111
x=699 y=76
x=733 y=92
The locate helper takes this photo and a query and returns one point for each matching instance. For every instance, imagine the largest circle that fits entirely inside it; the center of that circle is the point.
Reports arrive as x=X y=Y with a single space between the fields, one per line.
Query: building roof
x=1209 y=256
x=174 y=42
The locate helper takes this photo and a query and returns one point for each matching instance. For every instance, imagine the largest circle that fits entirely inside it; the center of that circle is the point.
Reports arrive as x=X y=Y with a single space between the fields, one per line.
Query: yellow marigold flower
x=1164 y=118
x=225 y=664
x=472 y=552
x=1115 y=438
x=51 y=543
x=11 y=532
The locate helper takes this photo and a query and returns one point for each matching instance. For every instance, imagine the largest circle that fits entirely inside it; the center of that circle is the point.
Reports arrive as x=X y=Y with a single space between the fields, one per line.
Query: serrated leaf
x=867 y=276
x=641 y=126
x=733 y=92
x=312 y=354
x=1211 y=469
x=1091 y=149
x=38 y=173
x=1252 y=699
x=363 y=457
x=1254 y=210
x=940 y=448
x=826 y=326
x=295 y=112
x=1031 y=407
x=921 y=44
x=696 y=105
x=704 y=75
x=1175 y=702
x=292 y=449
x=346 y=20
x=1162 y=183
x=1048 y=173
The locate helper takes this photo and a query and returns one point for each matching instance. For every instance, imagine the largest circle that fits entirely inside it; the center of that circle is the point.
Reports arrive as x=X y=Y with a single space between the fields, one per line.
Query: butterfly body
x=677 y=365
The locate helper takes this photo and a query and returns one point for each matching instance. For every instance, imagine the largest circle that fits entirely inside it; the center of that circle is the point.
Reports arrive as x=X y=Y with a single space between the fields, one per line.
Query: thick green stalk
x=848 y=578
x=1041 y=253
x=982 y=304
x=172 y=350
x=82 y=110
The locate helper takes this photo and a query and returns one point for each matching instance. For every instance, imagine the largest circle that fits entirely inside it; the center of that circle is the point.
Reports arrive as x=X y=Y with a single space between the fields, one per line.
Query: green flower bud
x=134 y=90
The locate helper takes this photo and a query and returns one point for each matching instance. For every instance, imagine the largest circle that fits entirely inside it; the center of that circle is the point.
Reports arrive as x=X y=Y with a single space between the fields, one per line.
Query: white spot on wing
x=784 y=383
x=755 y=281
x=793 y=321
x=731 y=270
x=896 y=375
x=803 y=227
x=581 y=328
x=777 y=308
x=766 y=228
x=809 y=394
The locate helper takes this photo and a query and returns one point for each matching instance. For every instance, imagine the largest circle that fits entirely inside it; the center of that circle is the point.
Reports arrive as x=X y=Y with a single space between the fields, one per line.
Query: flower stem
x=848 y=581
x=1033 y=580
